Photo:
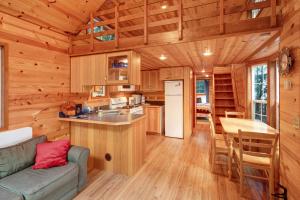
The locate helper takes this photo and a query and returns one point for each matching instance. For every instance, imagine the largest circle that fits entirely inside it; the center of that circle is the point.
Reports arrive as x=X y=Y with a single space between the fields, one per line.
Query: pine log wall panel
x=290 y=103
x=39 y=77
x=39 y=82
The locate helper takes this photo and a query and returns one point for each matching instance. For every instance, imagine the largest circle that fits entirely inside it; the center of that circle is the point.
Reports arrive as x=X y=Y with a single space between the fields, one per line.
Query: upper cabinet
x=150 y=81
x=105 y=69
x=123 y=68
x=174 y=73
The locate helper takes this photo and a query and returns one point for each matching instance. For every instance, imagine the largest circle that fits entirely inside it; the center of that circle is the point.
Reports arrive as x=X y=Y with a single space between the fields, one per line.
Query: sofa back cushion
x=19 y=157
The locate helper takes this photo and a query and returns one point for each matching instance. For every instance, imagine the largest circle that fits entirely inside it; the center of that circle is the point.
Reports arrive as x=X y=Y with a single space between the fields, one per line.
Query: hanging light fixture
x=207 y=52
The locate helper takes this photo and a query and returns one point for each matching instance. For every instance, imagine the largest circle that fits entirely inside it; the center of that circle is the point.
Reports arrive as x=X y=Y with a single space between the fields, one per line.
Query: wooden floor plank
x=174 y=169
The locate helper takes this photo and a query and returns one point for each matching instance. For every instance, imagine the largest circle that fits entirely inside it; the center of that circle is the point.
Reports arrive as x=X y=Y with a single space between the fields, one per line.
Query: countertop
x=153 y=105
x=108 y=119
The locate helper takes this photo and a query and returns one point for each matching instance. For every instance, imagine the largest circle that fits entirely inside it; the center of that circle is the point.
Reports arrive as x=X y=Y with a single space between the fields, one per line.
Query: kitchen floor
x=174 y=169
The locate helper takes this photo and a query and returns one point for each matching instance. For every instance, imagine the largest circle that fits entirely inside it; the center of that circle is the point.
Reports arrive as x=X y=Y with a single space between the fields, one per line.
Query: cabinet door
x=145 y=81
x=165 y=74
x=135 y=69
x=177 y=73
x=154 y=120
x=76 y=75
x=153 y=80
x=118 y=67
x=97 y=66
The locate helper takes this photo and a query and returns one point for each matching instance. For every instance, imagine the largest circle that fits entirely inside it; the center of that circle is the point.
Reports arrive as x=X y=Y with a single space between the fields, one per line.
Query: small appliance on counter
x=137 y=99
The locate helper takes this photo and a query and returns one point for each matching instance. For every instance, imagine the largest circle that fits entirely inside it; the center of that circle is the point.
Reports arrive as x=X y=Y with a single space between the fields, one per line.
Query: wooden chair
x=256 y=150
x=235 y=114
x=218 y=145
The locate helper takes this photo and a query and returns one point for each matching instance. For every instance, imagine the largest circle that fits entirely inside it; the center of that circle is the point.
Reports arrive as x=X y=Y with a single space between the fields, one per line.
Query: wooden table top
x=232 y=125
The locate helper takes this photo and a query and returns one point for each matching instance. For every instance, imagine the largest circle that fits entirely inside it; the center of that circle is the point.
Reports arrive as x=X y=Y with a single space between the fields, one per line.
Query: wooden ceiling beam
x=180 y=20
x=264 y=45
x=146 y=22
x=221 y=7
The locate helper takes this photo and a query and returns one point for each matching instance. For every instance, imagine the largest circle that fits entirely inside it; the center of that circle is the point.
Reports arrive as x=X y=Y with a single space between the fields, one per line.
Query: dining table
x=231 y=127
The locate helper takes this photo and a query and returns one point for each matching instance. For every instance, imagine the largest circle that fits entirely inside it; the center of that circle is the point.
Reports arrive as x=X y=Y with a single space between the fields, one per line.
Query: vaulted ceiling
x=199 y=21
x=59 y=15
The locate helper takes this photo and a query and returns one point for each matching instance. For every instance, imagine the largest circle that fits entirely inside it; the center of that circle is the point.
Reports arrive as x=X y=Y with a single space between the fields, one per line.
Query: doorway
x=203 y=99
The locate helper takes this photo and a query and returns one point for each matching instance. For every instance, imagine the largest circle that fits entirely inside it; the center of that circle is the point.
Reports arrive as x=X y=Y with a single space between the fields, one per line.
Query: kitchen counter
x=117 y=142
x=108 y=119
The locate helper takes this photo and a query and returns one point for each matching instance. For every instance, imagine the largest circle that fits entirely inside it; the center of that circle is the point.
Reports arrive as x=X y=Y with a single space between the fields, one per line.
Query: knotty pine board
x=38 y=83
x=290 y=103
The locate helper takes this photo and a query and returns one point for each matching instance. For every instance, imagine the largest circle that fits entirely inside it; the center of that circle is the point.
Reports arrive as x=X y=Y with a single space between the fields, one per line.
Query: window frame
x=4 y=86
x=260 y=101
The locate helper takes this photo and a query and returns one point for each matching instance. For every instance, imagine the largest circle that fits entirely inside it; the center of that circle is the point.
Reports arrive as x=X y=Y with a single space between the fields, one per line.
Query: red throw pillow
x=51 y=154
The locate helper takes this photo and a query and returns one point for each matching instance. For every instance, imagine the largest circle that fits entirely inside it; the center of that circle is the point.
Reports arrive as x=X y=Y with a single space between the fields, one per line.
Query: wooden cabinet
x=150 y=81
x=87 y=71
x=123 y=68
x=94 y=72
x=105 y=69
x=174 y=73
x=155 y=119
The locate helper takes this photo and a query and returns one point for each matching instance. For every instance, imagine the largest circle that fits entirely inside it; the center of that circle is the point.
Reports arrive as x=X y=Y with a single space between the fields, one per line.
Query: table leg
x=230 y=155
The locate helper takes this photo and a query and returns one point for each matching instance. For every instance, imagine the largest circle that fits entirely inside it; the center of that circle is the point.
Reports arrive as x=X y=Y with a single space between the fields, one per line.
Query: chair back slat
x=235 y=114
x=257 y=144
x=259 y=154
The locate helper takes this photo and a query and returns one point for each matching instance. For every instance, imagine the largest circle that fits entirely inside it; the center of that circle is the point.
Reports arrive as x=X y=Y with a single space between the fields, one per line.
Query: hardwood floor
x=174 y=169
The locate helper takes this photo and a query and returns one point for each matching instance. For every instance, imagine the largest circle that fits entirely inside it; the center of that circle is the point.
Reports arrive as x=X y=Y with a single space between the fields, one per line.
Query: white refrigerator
x=174 y=109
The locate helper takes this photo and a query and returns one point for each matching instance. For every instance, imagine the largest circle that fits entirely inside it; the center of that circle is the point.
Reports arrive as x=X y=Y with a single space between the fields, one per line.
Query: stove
x=121 y=103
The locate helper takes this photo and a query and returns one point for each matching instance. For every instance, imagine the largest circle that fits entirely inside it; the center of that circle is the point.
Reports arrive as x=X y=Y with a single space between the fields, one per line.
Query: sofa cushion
x=18 y=157
x=44 y=183
x=5 y=195
x=51 y=154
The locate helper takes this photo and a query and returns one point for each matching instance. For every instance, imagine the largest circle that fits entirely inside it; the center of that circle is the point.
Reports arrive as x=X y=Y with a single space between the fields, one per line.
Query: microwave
x=126 y=88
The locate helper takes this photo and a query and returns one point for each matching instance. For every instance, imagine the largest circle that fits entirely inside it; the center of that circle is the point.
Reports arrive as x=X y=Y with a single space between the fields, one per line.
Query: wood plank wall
x=290 y=103
x=240 y=79
x=39 y=77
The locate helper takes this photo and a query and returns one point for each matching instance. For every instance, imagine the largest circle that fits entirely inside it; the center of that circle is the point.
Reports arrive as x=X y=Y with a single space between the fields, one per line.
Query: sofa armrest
x=80 y=156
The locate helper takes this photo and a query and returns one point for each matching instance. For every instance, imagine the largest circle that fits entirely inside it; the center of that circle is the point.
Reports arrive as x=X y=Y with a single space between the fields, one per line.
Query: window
x=98 y=29
x=200 y=87
x=259 y=92
x=255 y=12
x=3 y=108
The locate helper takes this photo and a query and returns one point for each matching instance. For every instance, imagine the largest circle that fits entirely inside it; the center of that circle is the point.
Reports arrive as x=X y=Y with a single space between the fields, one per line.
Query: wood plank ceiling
x=225 y=51
x=64 y=16
x=71 y=18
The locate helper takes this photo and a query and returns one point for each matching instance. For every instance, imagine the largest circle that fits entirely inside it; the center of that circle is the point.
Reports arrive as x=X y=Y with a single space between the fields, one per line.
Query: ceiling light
x=203 y=70
x=206 y=75
x=207 y=52
x=164 y=5
x=162 y=57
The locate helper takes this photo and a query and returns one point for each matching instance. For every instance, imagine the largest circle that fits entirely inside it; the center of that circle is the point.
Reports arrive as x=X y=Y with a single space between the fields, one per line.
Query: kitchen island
x=116 y=141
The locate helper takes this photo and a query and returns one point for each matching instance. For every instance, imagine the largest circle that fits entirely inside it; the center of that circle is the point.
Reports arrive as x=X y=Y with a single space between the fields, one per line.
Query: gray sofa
x=18 y=181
